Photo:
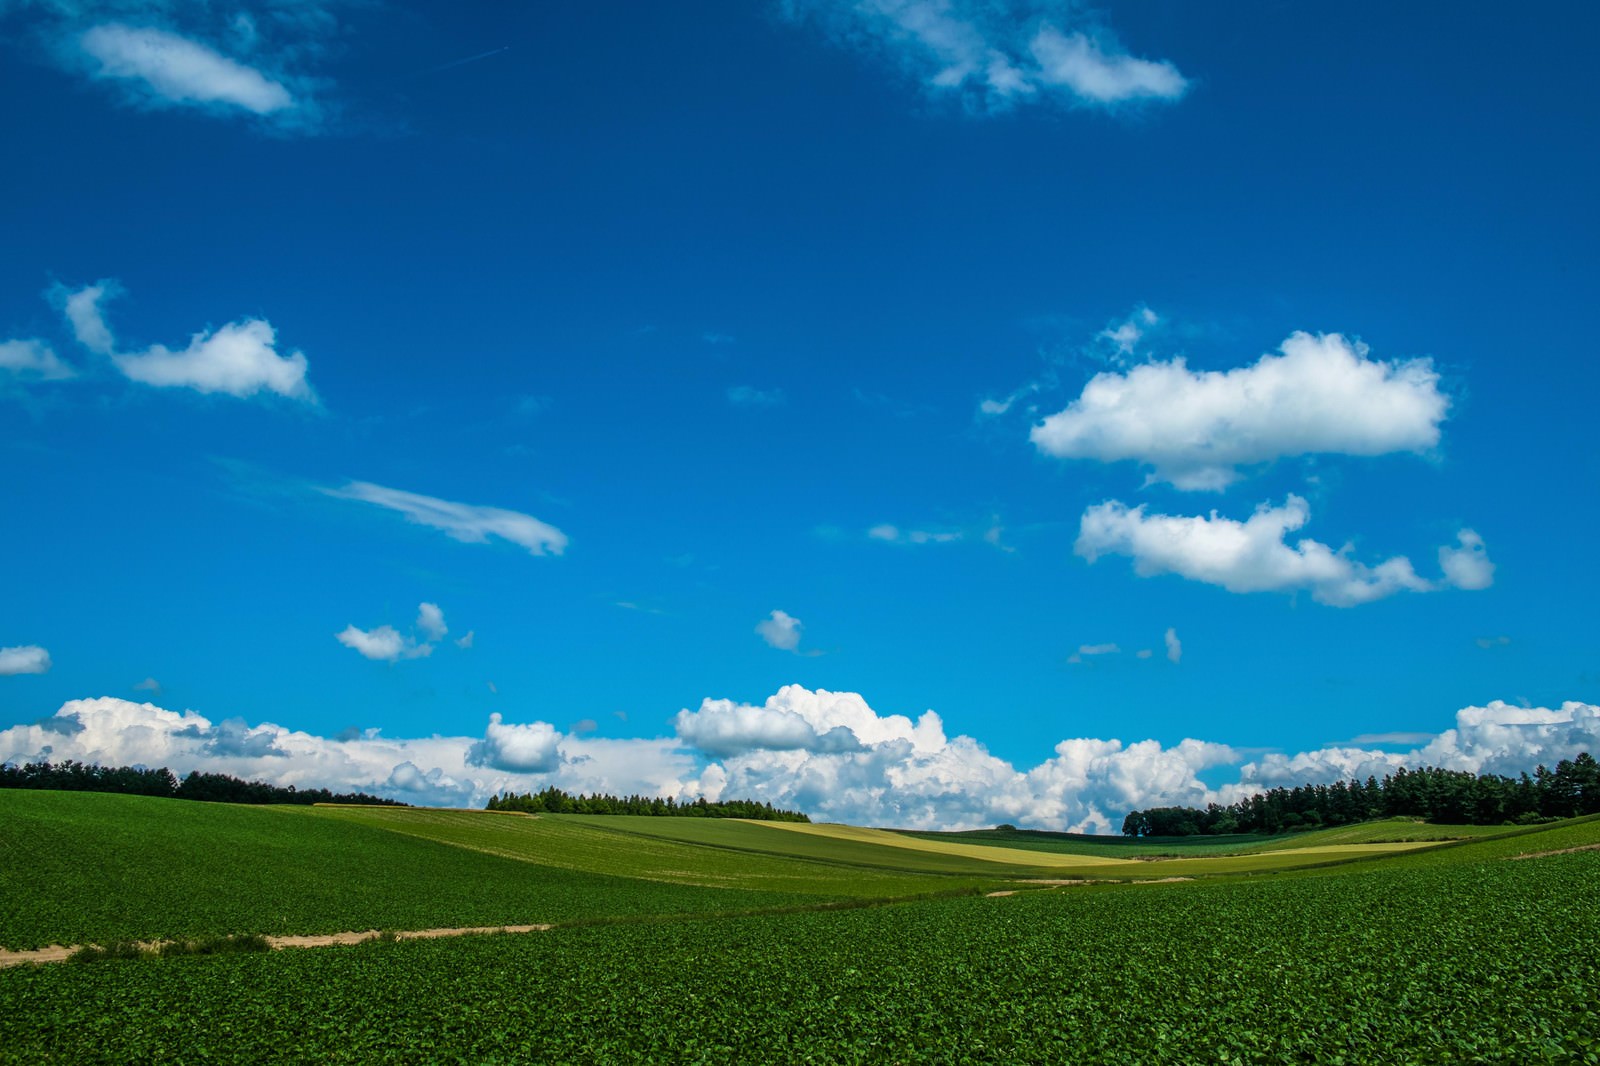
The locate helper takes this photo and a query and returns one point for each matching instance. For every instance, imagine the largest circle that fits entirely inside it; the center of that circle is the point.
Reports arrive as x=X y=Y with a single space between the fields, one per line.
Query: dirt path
x=57 y=953
x=1557 y=851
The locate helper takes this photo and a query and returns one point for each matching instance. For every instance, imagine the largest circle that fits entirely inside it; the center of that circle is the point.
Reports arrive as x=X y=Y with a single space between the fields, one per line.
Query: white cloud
x=426 y=770
x=723 y=728
x=1467 y=567
x=1123 y=337
x=33 y=359
x=240 y=359
x=878 y=770
x=430 y=620
x=466 y=641
x=24 y=659
x=746 y=396
x=385 y=643
x=1174 y=646
x=892 y=534
x=1098 y=71
x=994 y=56
x=532 y=748
x=1098 y=649
x=465 y=522
x=168 y=69
x=1495 y=739
x=781 y=630
x=1195 y=429
x=150 y=685
x=1248 y=556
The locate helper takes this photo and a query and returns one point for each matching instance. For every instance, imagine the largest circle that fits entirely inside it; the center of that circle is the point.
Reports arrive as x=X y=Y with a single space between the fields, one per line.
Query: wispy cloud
x=747 y=396
x=33 y=360
x=264 y=63
x=995 y=56
x=171 y=70
x=469 y=523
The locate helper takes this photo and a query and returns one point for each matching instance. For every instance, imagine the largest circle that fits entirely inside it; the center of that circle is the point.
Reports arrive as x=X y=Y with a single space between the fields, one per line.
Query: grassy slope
x=710 y=852
x=1449 y=955
x=78 y=867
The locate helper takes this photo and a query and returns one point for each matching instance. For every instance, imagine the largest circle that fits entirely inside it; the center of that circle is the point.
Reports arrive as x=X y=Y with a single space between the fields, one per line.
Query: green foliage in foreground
x=1460 y=961
x=83 y=867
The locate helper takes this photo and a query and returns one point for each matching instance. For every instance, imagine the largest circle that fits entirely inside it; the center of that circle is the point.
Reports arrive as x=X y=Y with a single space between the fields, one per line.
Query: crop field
x=1451 y=953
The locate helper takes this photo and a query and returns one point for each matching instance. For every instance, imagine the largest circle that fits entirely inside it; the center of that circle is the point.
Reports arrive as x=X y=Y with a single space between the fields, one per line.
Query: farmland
x=1420 y=953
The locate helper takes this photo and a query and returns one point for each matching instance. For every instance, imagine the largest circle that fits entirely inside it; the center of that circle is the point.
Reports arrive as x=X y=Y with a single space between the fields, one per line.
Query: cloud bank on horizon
x=827 y=753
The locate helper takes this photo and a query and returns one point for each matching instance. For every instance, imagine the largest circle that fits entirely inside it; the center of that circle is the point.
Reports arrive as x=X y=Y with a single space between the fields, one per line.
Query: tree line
x=556 y=801
x=1450 y=797
x=73 y=776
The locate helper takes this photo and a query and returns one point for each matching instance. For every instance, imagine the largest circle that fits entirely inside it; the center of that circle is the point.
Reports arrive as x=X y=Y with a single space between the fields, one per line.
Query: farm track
x=57 y=953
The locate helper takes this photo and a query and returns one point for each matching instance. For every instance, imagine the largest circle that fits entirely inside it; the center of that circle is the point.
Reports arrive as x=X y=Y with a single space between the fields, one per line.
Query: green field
x=1449 y=952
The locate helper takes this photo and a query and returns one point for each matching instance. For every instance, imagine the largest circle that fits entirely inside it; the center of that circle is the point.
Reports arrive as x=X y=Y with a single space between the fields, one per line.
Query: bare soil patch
x=57 y=953
x=1557 y=851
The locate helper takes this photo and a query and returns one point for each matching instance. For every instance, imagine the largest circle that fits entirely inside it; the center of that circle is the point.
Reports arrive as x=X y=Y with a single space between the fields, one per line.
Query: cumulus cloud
x=33 y=360
x=24 y=659
x=150 y=685
x=534 y=748
x=1174 y=646
x=430 y=620
x=466 y=641
x=1495 y=739
x=167 y=69
x=784 y=723
x=781 y=630
x=433 y=770
x=240 y=359
x=384 y=643
x=1467 y=566
x=1248 y=556
x=468 y=523
x=1195 y=429
x=992 y=57
x=828 y=753
x=388 y=644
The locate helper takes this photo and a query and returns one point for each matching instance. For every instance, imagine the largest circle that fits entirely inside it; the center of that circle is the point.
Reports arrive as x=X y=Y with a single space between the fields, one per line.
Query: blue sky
x=951 y=344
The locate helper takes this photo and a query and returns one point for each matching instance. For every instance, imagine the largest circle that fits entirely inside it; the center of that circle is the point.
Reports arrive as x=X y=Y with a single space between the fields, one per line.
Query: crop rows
x=1488 y=961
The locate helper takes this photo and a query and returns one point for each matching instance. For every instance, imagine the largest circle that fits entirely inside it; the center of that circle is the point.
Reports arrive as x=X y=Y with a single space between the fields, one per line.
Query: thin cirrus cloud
x=1253 y=555
x=1196 y=429
x=465 y=522
x=993 y=57
x=165 y=69
x=240 y=359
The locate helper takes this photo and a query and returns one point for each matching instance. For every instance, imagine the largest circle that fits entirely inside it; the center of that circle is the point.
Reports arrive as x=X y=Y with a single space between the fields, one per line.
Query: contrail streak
x=469 y=59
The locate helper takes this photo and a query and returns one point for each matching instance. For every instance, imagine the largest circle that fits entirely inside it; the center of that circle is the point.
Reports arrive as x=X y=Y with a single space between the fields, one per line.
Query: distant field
x=1431 y=955
x=1384 y=831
